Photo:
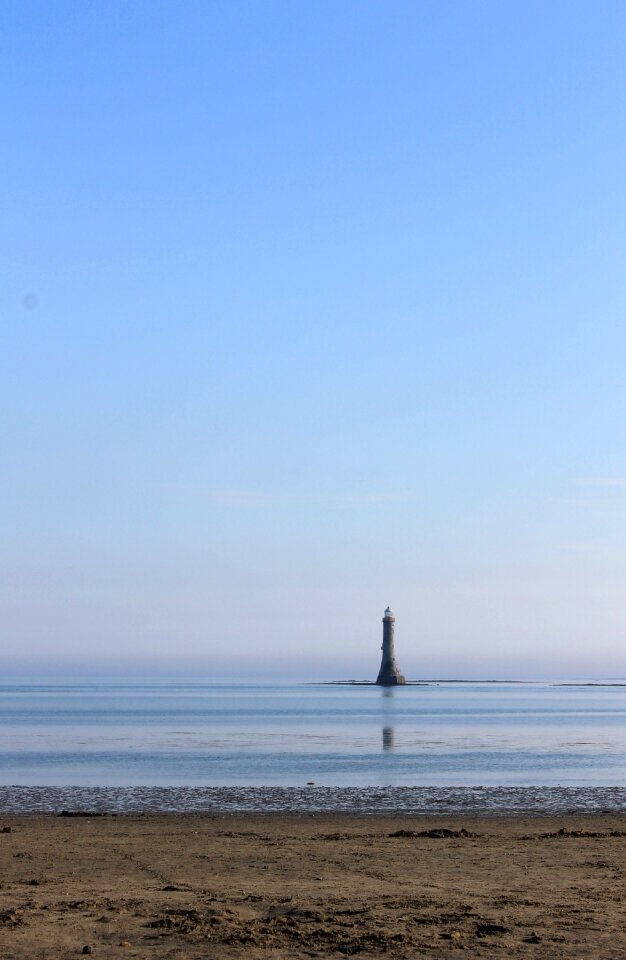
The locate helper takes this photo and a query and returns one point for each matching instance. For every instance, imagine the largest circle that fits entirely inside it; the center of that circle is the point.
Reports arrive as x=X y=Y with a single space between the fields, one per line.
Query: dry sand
x=202 y=886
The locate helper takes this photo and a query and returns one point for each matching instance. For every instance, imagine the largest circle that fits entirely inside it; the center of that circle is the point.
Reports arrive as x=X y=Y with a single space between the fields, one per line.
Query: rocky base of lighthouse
x=390 y=680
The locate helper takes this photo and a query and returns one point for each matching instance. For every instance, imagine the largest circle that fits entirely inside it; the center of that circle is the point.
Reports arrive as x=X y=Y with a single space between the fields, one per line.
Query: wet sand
x=235 y=886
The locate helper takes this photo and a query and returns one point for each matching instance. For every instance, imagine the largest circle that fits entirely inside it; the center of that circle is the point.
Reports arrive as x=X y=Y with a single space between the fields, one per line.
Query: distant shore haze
x=389 y=674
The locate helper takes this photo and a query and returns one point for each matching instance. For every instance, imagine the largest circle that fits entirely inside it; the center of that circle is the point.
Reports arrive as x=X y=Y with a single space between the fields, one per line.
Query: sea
x=200 y=745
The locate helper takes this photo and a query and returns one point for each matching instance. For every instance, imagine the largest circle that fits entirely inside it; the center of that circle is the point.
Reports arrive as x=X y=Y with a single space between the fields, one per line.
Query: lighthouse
x=389 y=674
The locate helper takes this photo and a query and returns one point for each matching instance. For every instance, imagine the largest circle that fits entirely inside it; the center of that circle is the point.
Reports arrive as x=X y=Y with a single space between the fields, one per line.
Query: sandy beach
x=201 y=886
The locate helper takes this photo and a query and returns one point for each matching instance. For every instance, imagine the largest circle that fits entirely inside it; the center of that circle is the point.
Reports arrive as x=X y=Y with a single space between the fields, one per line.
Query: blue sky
x=308 y=308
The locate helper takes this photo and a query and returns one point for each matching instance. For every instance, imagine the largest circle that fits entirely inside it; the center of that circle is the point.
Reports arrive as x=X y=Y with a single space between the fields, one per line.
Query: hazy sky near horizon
x=307 y=309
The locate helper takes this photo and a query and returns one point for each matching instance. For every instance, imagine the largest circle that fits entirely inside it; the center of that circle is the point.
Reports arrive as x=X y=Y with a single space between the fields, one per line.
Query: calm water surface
x=207 y=734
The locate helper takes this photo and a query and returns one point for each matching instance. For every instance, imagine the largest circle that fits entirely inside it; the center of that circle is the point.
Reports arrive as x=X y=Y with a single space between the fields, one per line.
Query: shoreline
x=190 y=887
x=434 y=682
x=318 y=799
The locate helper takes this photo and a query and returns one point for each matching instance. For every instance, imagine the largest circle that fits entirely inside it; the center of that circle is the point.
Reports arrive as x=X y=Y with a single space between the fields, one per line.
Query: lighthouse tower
x=389 y=674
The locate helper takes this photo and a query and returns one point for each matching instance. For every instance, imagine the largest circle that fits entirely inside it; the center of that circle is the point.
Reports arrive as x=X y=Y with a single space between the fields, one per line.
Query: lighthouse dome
x=389 y=612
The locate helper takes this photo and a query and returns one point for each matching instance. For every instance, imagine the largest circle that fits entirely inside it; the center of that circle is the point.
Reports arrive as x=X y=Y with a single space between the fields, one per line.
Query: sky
x=306 y=309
